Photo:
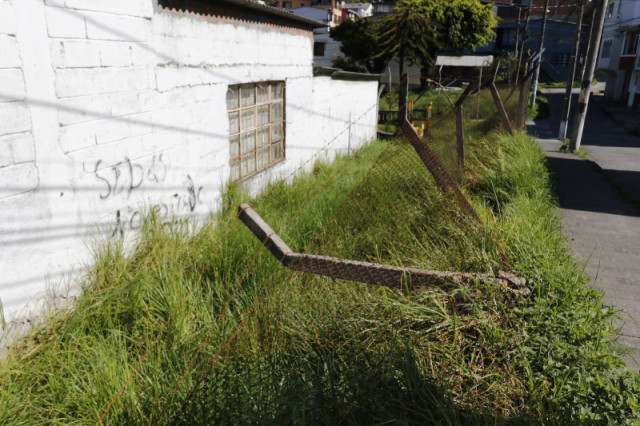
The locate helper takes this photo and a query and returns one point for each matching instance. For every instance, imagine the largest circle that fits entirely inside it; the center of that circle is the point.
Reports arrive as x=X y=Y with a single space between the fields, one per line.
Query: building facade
x=333 y=6
x=618 y=61
x=325 y=49
x=558 y=37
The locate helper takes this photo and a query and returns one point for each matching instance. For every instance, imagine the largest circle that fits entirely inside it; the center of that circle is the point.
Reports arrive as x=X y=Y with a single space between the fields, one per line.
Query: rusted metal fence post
x=404 y=99
x=443 y=178
x=523 y=101
x=478 y=100
x=503 y=112
x=460 y=134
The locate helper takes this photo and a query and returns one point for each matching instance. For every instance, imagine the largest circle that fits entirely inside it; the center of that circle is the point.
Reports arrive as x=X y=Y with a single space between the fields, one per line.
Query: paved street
x=603 y=227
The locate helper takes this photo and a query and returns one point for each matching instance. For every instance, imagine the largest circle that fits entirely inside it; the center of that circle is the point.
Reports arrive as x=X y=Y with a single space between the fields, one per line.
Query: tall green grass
x=572 y=371
x=243 y=340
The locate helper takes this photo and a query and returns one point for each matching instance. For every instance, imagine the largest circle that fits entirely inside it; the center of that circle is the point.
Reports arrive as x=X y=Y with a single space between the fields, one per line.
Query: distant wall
x=110 y=106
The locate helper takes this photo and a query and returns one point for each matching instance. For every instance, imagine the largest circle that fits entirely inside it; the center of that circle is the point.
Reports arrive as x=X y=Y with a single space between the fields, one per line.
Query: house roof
x=314 y=13
x=246 y=10
x=464 y=61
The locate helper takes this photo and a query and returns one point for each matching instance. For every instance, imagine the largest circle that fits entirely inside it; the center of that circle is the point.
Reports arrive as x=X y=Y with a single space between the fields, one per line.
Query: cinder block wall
x=108 y=107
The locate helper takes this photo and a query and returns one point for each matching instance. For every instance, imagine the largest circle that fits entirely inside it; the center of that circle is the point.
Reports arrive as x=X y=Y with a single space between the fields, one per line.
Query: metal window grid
x=256 y=127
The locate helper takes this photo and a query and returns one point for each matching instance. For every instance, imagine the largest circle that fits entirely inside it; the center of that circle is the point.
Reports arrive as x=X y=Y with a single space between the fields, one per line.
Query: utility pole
x=586 y=53
x=518 y=31
x=585 y=88
x=536 y=73
x=572 y=72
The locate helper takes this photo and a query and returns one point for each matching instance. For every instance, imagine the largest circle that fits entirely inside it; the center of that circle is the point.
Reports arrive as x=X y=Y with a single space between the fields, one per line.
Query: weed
x=540 y=110
x=580 y=152
x=197 y=324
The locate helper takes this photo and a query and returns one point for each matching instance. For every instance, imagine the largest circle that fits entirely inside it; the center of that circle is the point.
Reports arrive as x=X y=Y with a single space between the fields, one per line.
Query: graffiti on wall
x=126 y=177
x=177 y=207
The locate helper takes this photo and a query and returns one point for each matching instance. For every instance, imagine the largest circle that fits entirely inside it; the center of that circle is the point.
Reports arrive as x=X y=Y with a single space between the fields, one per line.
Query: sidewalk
x=599 y=201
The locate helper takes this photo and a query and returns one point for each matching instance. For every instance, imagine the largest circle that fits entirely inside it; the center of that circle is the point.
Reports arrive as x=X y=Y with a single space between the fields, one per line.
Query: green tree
x=408 y=34
x=359 y=44
x=461 y=24
x=414 y=31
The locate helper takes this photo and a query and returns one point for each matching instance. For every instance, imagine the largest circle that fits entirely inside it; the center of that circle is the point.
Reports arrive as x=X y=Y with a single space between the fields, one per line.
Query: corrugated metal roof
x=247 y=5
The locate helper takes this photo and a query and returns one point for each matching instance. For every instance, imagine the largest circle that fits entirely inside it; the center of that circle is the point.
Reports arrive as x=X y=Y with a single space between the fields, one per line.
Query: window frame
x=610 y=10
x=606 y=48
x=248 y=127
x=319 y=47
x=630 y=39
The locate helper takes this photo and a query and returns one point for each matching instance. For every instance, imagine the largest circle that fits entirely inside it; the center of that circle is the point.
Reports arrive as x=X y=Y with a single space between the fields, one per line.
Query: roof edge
x=275 y=11
x=337 y=73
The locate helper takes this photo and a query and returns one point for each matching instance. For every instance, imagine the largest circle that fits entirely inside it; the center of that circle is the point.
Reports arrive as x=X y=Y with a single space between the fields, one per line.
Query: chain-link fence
x=308 y=327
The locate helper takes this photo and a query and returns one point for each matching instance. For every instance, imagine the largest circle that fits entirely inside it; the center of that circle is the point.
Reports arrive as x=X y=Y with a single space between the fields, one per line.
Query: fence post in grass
x=478 y=100
x=443 y=178
x=523 y=101
x=404 y=98
x=460 y=134
x=503 y=112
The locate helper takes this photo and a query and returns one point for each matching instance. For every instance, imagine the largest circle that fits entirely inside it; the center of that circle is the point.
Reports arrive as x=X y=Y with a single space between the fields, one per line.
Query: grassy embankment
x=283 y=347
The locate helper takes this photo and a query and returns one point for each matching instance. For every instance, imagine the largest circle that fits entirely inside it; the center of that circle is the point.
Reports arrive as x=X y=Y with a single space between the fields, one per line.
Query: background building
x=558 y=39
x=618 y=62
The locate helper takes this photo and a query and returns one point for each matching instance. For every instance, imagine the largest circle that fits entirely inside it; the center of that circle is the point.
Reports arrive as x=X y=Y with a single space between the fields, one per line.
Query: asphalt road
x=600 y=205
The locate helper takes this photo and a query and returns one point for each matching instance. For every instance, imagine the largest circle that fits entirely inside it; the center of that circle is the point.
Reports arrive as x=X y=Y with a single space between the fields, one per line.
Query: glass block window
x=256 y=127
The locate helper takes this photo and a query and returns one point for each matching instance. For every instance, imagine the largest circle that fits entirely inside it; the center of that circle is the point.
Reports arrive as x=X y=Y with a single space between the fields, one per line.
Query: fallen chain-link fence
x=272 y=349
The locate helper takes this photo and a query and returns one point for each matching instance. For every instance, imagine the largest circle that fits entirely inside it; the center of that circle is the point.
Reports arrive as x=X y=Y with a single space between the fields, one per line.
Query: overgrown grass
x=255 y=343
x=540 y=110
x=573 y=376
x=559 y=84
x=563 y=84
x=580 y=152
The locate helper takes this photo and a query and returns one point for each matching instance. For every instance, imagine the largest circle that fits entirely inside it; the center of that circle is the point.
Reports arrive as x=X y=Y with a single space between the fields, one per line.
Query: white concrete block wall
x=18 y=171
x=107 y=107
